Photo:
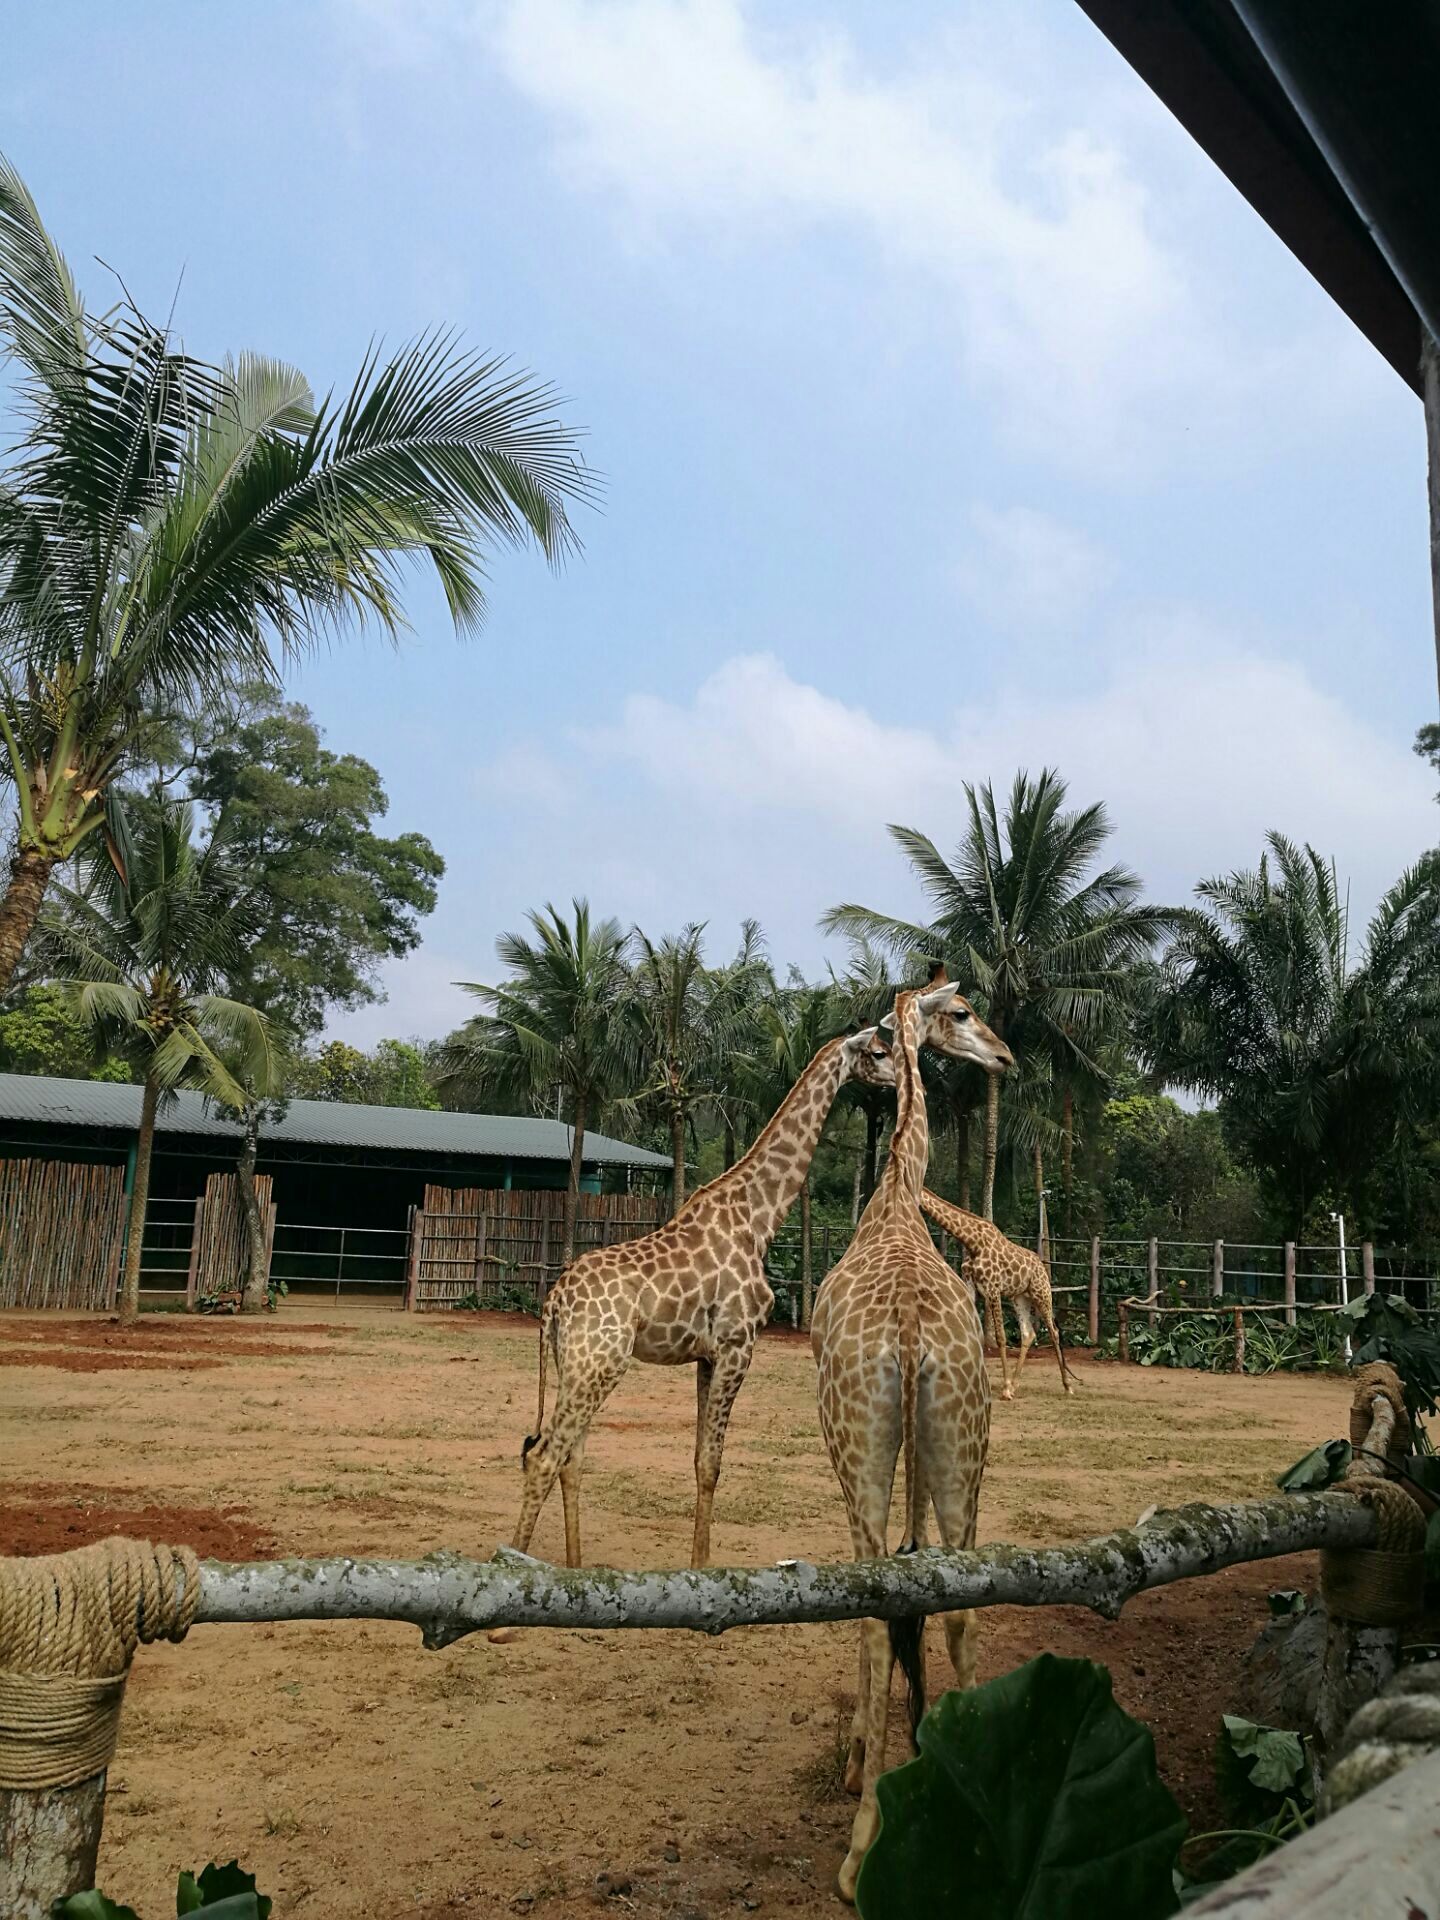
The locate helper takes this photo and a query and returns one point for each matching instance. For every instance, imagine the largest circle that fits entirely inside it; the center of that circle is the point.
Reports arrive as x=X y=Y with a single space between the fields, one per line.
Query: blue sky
x=955 y=415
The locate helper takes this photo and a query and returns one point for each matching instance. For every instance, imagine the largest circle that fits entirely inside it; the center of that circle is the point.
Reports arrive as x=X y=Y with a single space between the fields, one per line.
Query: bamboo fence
x=220 y=1244
x=62 y=1227
x=486 y=1242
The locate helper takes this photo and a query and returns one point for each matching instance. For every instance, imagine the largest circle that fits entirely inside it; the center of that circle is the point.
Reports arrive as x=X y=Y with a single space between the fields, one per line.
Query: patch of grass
x=822 y=1778
x=281 y=1825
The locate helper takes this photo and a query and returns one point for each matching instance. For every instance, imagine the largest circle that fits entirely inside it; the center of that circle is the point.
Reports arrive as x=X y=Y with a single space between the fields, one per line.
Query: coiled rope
x=69 y=1627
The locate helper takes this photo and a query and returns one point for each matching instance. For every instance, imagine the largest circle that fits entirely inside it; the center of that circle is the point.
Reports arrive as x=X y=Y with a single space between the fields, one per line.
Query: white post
x=1339 y=1220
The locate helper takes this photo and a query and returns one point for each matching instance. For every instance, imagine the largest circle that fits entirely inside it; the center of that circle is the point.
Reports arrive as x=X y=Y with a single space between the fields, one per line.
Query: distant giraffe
x=1002 y=1270
x=694 y=1292
x=901 y=1374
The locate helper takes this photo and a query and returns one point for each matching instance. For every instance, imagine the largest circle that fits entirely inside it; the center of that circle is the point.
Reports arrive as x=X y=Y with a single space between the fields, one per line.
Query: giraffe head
x=866 y=1057
x=950 y=1025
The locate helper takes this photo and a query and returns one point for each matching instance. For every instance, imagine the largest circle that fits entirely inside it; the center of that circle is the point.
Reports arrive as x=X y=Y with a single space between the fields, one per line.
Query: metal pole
x=1289 y=1283
x=1339 y=1220
x=1152 y=1272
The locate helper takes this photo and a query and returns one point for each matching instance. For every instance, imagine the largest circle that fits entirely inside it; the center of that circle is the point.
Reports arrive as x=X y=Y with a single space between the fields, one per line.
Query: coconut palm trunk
x=1067 y=1153
x=1042 y=1231
x=807 y=1272
x=962 y=1159
x=255 y=1293
x=139 y=1201
x=992 y=1146
x=677 y=1154
x=29 y=876
x=572 y=1185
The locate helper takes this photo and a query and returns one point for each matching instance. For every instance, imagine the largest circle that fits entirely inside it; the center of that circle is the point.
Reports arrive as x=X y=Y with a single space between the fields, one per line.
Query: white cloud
x=1025 y=570
x=759 y=794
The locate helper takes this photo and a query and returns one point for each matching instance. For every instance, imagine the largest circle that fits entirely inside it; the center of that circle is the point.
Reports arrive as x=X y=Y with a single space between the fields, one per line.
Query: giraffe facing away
x=1002 y=1270
x=694 y=1292
x=901 y=1376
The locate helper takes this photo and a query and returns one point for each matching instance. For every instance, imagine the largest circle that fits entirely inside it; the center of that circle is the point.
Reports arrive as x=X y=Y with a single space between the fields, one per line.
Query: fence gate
x=502 y=1247
x=219 y=1244
x=62 y=1225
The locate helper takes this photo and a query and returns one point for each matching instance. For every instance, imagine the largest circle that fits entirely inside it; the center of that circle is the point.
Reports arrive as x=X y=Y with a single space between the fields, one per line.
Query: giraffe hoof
x=503 y=1636
x=1007 y=1393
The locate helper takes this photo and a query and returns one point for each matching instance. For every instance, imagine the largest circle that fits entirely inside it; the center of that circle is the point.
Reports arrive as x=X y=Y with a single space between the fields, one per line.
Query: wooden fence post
x=1217 y=1269
x=1367 y=1264
x=1152 y=1269
x=1094 y=1326
x=1289 y=1283
x=1239 y=1339
x=1124 y=1313
x=192 y=1278
x=412 y=1262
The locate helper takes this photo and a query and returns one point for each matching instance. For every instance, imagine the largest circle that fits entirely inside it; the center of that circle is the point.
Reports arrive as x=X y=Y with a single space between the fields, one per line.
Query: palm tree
x=796 y=1022
x=866 y=993
x=689 y=1021
x=139 y=943
x=555 y=1034
x=1320 y=1062
x=1017 y=915
x=750 y=981
x=164 y=525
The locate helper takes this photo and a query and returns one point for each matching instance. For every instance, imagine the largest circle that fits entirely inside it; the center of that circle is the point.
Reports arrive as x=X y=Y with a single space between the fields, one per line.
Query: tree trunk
x=1042 y=1226
x=807 y=1287
x=729 y=1143
x=962 y=1158
x=255 y=1294
x=1430 y=369
x=872 y=1150
x=29 y=877
x=992 y=1145
x=1067 y=1152
x=572 y=1185
x=858 y=1188
x=677 y=1154
x=139 y=1199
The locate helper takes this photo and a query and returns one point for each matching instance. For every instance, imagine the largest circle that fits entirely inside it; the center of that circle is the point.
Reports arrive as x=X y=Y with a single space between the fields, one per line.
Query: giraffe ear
x=937 y=1001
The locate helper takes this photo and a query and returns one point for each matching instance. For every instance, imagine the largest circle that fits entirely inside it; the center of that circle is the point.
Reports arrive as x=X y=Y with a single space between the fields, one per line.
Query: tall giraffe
x=1002 y=1270
x=901 y=1374
x=694 y=1292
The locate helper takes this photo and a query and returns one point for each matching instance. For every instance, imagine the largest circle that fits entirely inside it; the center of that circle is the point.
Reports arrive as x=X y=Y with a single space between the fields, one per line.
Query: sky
x=955 y=415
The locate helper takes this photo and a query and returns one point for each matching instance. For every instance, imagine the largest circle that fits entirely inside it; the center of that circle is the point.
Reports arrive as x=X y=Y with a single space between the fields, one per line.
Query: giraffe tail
x=549 y=1335
x=906 y=1635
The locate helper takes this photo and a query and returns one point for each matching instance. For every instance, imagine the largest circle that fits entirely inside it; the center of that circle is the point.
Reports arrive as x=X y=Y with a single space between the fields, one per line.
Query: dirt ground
x=352 y=1771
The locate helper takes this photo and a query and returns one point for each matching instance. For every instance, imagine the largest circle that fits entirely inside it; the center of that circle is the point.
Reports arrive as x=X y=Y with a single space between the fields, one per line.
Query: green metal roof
x=37 y=1101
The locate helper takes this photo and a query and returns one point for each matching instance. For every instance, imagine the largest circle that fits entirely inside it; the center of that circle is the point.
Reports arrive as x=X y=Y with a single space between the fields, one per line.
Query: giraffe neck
x=968 y=1228
x=772 y=1173
x=910 y=1144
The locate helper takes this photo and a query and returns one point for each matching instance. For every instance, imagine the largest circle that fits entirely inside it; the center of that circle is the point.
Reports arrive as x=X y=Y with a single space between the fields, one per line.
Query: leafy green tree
x=1322 y=1064
x=397 y=1073
x=689 y=1020
x=334 y=897
x=1427 y=745
x=165 y=525
x=41 y=1033
x=555 y=1035
x=139 y=943
x=1049 y=946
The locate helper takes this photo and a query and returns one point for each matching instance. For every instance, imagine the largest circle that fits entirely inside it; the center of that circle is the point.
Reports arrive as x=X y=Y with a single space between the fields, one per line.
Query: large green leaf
x=1316 y=1470
x=1034 y=1797
x=222 y=1893
x=1272 y=1757
x=91 y=1906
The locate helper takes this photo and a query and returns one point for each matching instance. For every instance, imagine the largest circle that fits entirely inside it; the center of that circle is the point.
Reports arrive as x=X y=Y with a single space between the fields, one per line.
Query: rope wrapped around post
x=1383 y=1585
x=69 y=1627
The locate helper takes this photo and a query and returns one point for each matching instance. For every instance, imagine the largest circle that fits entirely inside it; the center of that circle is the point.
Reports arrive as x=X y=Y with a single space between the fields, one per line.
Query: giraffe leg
x=955 y=1514
x=726 y=1377
x=860 y=1719
x=579 y=1397
x=995 y=1313
x=1027 y=1331
x=570 y=1494
x=1051 y=1329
